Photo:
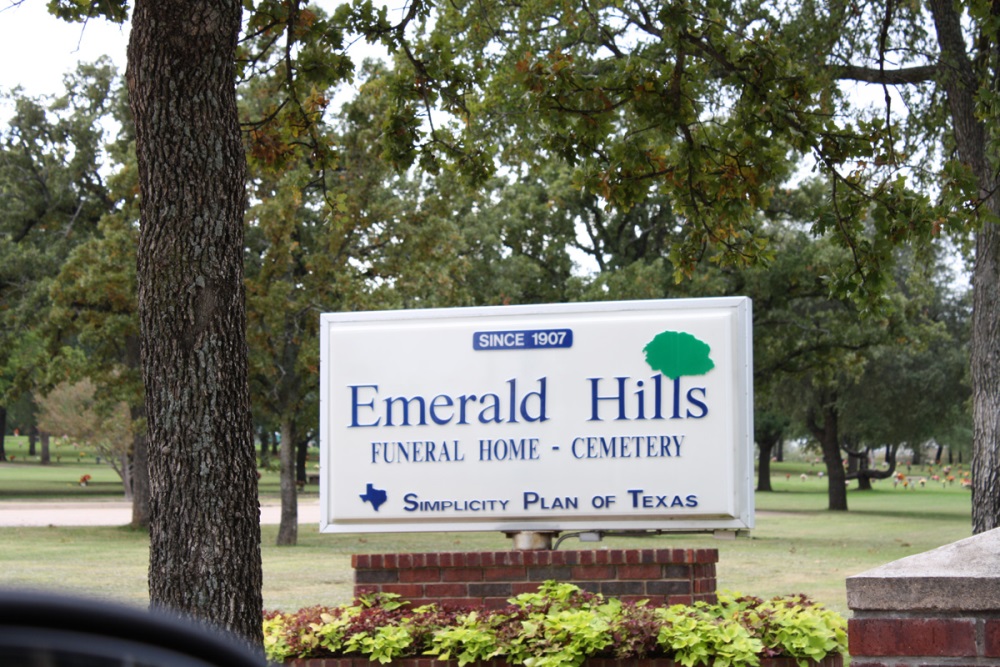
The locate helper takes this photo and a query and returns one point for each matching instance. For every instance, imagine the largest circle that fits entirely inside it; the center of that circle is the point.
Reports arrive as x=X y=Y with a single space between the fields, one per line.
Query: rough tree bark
x=963 y=81
x=764 y=448
x=140 y=474
x=3 y=431
x=863 y=473
x=301 y=460
x=204 y=514
x=140 y=447
x=959 y=79
x=828 y=434
x=288 y=529
x=265 y=447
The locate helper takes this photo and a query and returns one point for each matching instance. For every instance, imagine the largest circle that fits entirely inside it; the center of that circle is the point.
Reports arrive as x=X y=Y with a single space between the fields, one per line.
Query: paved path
x=113 y=513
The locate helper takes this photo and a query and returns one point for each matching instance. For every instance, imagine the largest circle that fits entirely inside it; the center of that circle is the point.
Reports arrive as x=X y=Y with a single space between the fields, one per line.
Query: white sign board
x=593 y=416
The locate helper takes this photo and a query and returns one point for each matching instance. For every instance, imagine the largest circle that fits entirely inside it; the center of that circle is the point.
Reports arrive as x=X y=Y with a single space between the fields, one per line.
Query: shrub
x=561 y=626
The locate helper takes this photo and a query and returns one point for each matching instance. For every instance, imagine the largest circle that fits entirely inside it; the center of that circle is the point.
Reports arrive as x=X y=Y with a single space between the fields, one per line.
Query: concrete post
x=528 y=540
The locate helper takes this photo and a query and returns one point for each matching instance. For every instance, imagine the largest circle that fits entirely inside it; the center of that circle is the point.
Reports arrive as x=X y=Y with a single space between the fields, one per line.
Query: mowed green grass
x=797 y=546
x=23 y=478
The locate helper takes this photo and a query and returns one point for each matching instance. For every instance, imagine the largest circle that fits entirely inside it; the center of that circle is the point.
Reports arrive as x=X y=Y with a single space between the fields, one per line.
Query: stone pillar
x=933 y=609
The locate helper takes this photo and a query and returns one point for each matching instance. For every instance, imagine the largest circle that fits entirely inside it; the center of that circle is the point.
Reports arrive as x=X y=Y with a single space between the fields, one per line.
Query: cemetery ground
x=796 y=547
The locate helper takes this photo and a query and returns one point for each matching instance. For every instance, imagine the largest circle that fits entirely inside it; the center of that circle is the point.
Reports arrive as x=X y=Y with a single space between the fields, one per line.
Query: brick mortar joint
x=687 y=556
x=924 y=615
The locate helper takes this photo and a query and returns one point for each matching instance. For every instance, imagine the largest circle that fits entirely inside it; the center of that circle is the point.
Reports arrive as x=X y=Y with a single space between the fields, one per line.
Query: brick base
x=836 y=660
x=662 y=576
x=878 y=640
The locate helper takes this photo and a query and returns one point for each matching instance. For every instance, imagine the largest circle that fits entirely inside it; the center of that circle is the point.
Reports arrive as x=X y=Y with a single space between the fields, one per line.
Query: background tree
x=709 y=103
x=73 y=410
x=54 y=193
x=915 y=393
x=291 y=161
x=94 y=301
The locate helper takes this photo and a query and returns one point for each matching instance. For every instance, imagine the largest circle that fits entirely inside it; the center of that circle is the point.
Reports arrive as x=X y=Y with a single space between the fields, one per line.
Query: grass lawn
x=22 y=478
x=797 y=545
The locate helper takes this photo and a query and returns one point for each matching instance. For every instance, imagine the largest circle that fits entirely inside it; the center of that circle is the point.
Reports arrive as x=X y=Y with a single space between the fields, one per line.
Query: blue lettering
x=567 y=502
x=526 y=414
x=695 y=401
x=525 y=449
x=635 y=406
x=677 y=399
x=410 y=502
x=405 y=403
x=355 y=404
x=416 y=451
x=640 y=499
x=441 y=401
x=462 y=402
x=595 y=397
x=493 y=406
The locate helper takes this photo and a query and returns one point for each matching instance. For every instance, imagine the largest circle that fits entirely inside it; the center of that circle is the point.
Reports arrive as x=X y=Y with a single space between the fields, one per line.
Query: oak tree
x=709 y=103
x=204 y=515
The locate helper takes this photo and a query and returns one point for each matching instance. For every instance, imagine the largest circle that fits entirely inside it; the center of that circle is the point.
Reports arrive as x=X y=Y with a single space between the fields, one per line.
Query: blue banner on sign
x=529 y=339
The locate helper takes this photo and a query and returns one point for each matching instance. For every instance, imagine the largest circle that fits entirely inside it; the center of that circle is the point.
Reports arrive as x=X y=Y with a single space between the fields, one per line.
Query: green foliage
x=470 y=639
x=383 y=644
x=799 y=628
x=53 y=183
x=737 y=630
x=562 y=626
x=702 y=634
x=83 y=10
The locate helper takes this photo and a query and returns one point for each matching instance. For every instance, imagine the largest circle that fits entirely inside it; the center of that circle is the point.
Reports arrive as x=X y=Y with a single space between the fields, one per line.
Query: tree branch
x=889 y=77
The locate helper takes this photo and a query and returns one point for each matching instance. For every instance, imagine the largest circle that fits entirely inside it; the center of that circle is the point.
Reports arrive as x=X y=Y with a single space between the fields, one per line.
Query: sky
x=37 y=49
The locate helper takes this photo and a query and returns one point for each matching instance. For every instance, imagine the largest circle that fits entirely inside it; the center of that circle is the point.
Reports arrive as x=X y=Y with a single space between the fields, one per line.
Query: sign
x=594 y=416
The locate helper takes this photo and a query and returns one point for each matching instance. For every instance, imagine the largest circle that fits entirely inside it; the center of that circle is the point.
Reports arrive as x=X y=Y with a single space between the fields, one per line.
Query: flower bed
x=560 y=626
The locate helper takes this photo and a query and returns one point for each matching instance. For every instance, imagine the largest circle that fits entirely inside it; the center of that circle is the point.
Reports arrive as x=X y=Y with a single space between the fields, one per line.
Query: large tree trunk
x=288 y=530
x=959 y=79
x=139 y=457
x=764 y=447
x=140 y=472
x=986 y=382
x=827 y=433
x=204 y=514
x=301 y=461
x=3 y=432
x=265 y=444
x=46 y=456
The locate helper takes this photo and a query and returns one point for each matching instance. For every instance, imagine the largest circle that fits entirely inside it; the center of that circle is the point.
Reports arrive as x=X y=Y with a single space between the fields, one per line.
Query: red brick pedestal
x=662 y=576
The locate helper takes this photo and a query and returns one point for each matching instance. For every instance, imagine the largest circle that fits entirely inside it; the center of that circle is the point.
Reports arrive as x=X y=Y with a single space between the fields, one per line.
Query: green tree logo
x=675 y=353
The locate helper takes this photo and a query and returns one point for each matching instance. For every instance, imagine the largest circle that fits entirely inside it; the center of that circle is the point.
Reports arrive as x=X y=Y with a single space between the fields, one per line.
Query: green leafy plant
x=561 y=626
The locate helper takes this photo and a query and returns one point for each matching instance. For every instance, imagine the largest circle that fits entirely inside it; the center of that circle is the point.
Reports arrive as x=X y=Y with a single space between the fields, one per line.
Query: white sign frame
x=528 y=416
